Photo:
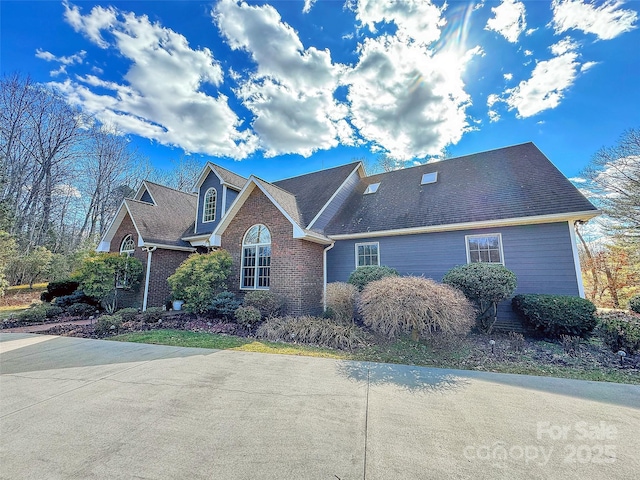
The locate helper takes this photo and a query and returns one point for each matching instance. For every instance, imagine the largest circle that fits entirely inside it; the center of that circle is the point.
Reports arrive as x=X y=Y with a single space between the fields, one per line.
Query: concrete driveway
x=85 y=409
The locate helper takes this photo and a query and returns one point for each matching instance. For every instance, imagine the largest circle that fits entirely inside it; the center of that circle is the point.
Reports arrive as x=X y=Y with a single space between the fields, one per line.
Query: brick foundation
x=296 y=265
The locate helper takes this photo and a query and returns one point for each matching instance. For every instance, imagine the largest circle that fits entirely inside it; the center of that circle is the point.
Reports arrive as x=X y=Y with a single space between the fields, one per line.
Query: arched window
x=256 y=258
x=209 y=210
x=127 y=247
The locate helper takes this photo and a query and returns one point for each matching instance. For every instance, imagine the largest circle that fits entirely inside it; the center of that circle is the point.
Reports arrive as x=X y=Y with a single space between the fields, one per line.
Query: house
x=509 y=206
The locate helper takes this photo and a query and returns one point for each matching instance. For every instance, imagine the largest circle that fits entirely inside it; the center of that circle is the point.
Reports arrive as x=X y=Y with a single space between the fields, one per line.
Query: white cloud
x=406 y=99
x=546 y=87
x=509 y=20
x=418 y=20
x=587 y=66
x=606 y=21
x=508 y=76
x=565 y=45
x=291 y=92
x=307 y=5
x=528 y=53
x=578 y=180
x=531 y=31
x=70 y=60
x=161 y=98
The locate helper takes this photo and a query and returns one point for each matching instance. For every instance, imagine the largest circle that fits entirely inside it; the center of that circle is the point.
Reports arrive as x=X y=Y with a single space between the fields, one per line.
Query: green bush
x=634 y=303
x=78 y=296
x=361 y=276
x=108 y=324
x=224 y=305
x=247 y=316
x=81 y=310
x=313 y=331
x=341 y=301
x=128 y=314
x=200 y=278
x=620 y=331
x=152 y=315
x=555 y=315
x=416 y=305
x=59 y=288
x=52 y=311
x=33 y=314
x=269 y=304
x=485 y=284
x=103 y=275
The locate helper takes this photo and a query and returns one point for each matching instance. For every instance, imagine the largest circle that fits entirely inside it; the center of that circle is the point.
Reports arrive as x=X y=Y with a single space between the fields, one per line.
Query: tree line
x=62 y=177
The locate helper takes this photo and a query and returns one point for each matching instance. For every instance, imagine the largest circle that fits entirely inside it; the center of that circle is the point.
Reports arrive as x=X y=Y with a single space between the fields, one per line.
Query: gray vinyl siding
x=231 y=196
x=146 y=197
x=337 y=202
x=540 y=255
x=212 y=180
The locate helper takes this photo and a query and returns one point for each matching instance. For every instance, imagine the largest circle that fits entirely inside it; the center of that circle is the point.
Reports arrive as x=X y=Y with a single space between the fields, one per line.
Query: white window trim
x=256 y=246
x=377 y=244
x=128 y=252
x=215 y=206
x=435 y=178
x=481 y=235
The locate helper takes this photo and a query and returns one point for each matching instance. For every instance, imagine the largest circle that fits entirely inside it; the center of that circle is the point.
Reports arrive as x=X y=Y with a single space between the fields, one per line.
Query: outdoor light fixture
x=492 y=343
x=621 y=354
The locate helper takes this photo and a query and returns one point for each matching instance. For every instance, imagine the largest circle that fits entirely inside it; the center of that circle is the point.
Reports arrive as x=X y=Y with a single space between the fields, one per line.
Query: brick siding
x=163 y=264
x=296 y=265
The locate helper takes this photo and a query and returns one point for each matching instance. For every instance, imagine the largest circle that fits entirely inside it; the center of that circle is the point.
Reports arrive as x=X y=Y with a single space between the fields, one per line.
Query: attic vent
x=373 y=188
x=429 y=178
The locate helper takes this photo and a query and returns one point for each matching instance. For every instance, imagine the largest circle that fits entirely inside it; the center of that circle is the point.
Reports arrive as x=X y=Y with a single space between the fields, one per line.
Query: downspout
x=324 y=276
x=576 y=257
x=146 y=280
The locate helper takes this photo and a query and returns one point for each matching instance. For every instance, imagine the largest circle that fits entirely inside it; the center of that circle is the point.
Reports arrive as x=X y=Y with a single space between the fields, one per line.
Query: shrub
x=39 y=313
x=128 y=314
x=362 y=276
x=269 y=303
x=312 y=330
x=418 y=305
x=620 y=331
x=485 y=284
x=634 y=303
x=152 y=314
x=247 y=316
x=76 y=297
x=555 y=315
x=81 y=310
x=108 y=324
x=59 y=288
x=225 y=304
x=200 y=278
x=516 y=341
x=341 y=301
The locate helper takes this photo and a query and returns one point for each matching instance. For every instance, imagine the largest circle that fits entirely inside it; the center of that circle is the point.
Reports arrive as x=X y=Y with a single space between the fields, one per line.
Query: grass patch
x=181 y=338
x=465 y=354
x=8 y=310
x=37 y=287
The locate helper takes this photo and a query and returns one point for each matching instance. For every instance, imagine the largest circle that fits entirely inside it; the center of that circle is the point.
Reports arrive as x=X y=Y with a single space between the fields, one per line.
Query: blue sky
x=286 y=87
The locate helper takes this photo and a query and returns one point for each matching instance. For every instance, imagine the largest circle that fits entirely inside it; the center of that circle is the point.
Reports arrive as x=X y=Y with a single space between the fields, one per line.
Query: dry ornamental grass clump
x=341 y=301
x=416 y=305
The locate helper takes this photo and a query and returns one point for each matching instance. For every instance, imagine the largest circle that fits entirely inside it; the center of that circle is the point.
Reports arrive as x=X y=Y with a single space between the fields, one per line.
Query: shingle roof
x=230 y=177
x=170 y=219
x=285 y=199
x=313 y=190
x=511 y=182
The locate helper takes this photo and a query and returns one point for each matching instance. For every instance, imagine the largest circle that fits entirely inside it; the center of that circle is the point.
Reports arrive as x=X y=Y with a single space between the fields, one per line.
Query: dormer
x=144 y=195
x=217 y=188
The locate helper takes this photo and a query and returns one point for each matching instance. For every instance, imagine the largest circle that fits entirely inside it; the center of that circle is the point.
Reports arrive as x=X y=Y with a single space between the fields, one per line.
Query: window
x=373 y=188
x=256 y=258
x=367 y=254
x=209 y=210
x=484 y=248
x=429 y=178
x=127 y=247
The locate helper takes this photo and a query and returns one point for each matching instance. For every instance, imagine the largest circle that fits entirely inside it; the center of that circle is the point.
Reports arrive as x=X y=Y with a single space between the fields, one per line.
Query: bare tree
x=182 y=175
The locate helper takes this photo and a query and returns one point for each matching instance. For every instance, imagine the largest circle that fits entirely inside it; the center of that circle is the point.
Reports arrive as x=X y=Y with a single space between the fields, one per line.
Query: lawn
x=19 y=298
x=472 y=353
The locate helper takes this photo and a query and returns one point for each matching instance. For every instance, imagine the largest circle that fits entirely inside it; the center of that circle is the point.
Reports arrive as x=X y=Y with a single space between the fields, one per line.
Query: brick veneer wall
x=130 y=298
x=296 y=265
x=163 y=264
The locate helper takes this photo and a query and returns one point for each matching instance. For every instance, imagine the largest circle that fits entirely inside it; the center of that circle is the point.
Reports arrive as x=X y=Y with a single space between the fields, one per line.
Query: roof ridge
x=319 y=171
x=275 y=186
x=453 y=159
x=169 y=188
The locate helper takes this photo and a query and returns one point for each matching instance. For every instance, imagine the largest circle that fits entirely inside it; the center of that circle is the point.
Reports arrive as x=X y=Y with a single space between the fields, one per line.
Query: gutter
x=324 y=276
